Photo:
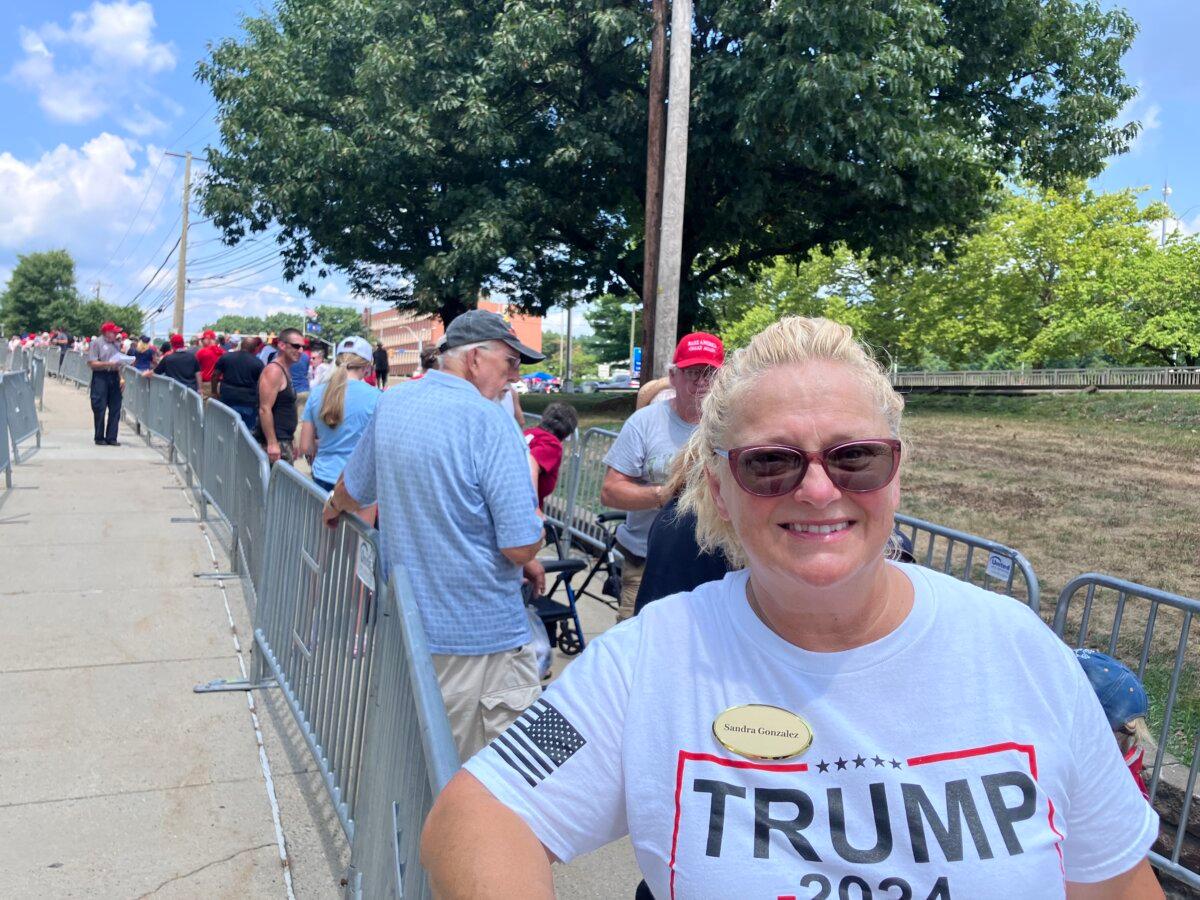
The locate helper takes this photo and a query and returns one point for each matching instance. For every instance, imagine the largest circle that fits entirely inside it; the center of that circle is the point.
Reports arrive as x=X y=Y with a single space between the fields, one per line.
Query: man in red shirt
x=559 y=421
x=208 y=354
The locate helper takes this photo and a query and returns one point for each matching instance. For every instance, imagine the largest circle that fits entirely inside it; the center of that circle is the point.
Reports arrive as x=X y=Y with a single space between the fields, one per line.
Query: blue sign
x=312 y=327
x=637 y=360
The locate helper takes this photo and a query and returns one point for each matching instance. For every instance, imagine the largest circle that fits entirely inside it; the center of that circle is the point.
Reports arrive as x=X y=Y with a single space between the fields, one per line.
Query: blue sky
x=94 y=93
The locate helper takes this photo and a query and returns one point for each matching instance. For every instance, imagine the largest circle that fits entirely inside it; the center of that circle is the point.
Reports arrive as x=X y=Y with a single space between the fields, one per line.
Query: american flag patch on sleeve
x=538 y=742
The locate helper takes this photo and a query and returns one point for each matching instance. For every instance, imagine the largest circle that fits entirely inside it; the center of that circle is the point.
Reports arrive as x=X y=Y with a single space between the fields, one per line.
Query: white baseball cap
x=355 y=345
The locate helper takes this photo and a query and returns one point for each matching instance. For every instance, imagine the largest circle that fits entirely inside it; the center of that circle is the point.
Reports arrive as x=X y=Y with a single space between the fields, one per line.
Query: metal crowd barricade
x=133 y=400
x=160 y=413
x=37 y=372
x=5 y=457
x=973 y=559
x=408 y=756
x=315 y=626
x=1149 y=630
x=75 y=368
x=583 y=488
x=5 y=353
x=22 y=413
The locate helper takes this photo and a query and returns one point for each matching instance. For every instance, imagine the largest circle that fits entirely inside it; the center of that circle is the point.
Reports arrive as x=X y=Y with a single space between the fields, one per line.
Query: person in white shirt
x=823 y=722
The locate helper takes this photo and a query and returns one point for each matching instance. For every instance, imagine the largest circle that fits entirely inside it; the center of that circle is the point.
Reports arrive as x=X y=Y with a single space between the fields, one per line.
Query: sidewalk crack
x=215 y=862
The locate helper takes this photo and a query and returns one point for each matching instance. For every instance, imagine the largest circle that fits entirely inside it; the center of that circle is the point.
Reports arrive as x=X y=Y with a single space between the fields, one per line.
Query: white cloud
x=82 y=198
x=1148 y=115
x=108 y=55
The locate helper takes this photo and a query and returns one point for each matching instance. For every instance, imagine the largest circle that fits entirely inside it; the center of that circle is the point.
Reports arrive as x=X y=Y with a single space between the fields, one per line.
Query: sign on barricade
x=1150 y=631
x=22 y=414
x=973 y=559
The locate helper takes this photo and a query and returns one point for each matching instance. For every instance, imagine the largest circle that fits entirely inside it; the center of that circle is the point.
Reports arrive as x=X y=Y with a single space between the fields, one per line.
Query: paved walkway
x=115 y=779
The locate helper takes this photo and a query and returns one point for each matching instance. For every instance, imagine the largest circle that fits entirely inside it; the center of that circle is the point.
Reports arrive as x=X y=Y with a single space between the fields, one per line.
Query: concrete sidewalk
x=115 y=779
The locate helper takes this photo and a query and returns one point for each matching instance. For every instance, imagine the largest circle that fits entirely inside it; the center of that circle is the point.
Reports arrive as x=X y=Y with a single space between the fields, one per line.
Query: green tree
x=584 y=363
x=338 y=322
x=430 y=150
x=610 y=319
x=41 y=285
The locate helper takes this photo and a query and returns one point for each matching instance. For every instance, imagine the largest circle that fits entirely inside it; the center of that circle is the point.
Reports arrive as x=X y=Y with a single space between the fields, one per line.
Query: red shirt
x=547 y=451
x=207 y=357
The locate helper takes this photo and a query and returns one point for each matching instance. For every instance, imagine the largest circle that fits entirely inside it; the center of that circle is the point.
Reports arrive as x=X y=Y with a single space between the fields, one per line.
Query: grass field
x=1105 y=482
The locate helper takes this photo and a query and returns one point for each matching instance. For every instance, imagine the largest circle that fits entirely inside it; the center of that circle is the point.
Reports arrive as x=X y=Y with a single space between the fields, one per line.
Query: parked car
x=616 y=383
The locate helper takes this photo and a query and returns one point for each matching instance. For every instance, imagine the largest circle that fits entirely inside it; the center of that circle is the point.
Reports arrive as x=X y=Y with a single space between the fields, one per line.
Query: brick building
x=400 y=333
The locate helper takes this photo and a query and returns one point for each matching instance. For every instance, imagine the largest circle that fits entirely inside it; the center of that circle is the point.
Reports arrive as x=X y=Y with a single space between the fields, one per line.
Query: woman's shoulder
x=973 y=612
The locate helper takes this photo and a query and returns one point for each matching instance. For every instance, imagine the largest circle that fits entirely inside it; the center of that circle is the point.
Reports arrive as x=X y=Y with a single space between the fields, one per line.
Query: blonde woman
x=337 y=412
x=822 y=723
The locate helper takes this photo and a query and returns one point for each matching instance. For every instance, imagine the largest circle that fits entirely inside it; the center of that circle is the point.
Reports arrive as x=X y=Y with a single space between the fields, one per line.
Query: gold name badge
x=757 y=731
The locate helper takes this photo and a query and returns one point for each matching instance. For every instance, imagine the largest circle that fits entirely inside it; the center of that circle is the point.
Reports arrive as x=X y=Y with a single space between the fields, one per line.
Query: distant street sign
x=637 y=360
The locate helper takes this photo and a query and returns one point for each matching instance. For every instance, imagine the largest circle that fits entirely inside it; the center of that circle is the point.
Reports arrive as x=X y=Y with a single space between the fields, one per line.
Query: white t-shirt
x=962 y=756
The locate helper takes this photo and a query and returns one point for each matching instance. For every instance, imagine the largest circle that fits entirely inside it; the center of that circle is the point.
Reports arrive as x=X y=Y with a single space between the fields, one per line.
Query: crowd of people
x=781 y=701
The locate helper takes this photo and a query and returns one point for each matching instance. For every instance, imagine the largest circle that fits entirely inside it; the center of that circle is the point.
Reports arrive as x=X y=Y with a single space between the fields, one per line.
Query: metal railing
x=323 y=614
x=1173 y=377
x=973 y=559
x=1149 y=630
x=5 y=455
x=21 y=411
x=314 y=628
x=408 y=746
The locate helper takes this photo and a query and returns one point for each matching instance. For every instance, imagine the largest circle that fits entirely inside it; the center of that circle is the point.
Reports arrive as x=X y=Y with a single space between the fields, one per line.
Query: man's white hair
x=454 y=352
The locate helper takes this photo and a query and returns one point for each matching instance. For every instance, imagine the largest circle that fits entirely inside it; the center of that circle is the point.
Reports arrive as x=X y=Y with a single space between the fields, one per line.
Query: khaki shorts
x=631 y=581
x=485 y=694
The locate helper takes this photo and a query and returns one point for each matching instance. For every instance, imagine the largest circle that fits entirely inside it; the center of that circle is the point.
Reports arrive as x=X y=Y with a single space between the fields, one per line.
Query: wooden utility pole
x=181 y=271
x=666 y=300
x=656 y=135
x=567 y=362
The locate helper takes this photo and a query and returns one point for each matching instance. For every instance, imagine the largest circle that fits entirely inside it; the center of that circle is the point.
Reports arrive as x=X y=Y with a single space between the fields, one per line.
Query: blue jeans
x=249 y=415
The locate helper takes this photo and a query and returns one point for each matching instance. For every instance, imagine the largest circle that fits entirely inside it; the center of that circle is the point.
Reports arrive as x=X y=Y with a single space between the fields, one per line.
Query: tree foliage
x=431 y=149
x=336 y=322
x=609 y=317
x=1051 y=278
x=41 y=295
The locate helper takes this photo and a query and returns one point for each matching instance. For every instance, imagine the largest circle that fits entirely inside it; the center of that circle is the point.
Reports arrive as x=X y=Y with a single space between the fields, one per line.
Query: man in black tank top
x=277 y=398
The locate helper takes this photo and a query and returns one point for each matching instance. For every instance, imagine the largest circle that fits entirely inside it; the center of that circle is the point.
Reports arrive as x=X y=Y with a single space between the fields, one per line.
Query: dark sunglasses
x=772 y=470
x=294 y=346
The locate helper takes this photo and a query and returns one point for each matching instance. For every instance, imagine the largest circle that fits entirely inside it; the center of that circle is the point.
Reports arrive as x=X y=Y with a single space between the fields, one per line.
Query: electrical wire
x=145 y=194
x=156 y=271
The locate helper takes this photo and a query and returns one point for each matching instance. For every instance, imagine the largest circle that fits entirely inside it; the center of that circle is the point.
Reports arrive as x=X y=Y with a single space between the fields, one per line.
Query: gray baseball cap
x=477 y=325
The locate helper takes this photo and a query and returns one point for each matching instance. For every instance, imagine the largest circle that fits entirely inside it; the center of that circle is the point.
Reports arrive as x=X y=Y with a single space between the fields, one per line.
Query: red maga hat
x=177 y=341
x=209 y=335
x=699 y=349
x=108 y=326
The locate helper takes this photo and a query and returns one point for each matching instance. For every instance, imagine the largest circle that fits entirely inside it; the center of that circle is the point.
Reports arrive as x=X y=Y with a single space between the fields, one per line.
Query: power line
x=129 y=227
x=156 y=272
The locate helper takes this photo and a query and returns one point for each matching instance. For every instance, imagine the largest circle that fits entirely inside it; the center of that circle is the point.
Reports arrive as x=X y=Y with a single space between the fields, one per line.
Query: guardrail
x=1150 y=630
x=1132 y=378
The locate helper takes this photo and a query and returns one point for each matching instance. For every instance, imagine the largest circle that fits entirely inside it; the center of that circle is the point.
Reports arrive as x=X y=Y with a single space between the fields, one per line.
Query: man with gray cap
x=457 y=509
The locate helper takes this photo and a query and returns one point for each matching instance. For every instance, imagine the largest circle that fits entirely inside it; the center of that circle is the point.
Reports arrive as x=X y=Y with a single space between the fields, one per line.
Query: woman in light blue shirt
x=337 y=413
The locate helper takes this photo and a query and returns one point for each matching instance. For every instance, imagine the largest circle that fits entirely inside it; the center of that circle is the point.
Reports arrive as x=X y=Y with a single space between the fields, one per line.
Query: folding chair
x=606 y=562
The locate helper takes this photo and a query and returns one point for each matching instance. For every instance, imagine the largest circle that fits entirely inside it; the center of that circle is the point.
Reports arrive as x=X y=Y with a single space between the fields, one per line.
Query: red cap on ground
x=699 y=349
x=177 y=341
x=209 y=335
x=107 y=327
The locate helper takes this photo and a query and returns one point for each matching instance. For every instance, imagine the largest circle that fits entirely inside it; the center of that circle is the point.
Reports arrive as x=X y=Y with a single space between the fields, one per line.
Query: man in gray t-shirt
x=641 y=456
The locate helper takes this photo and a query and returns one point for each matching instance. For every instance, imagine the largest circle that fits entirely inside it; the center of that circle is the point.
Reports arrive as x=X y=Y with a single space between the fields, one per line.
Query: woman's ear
x=714 y=488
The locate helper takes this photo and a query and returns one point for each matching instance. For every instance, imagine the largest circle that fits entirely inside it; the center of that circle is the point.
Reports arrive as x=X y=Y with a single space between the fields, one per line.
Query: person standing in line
x=640 y=458
x=299 y=372
x=145 y=355
x=235 y=381
x=337 y=413
x=62 y=340
x=180 y=364
x=277 y=399
x=105 y=392
x=459 y=513
x=382 y=366
x=321 y=368
x=207 y=357
x=545 y=442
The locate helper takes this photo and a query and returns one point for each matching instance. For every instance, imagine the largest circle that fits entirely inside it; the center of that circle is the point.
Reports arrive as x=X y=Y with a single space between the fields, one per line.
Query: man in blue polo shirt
x=457 y=509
